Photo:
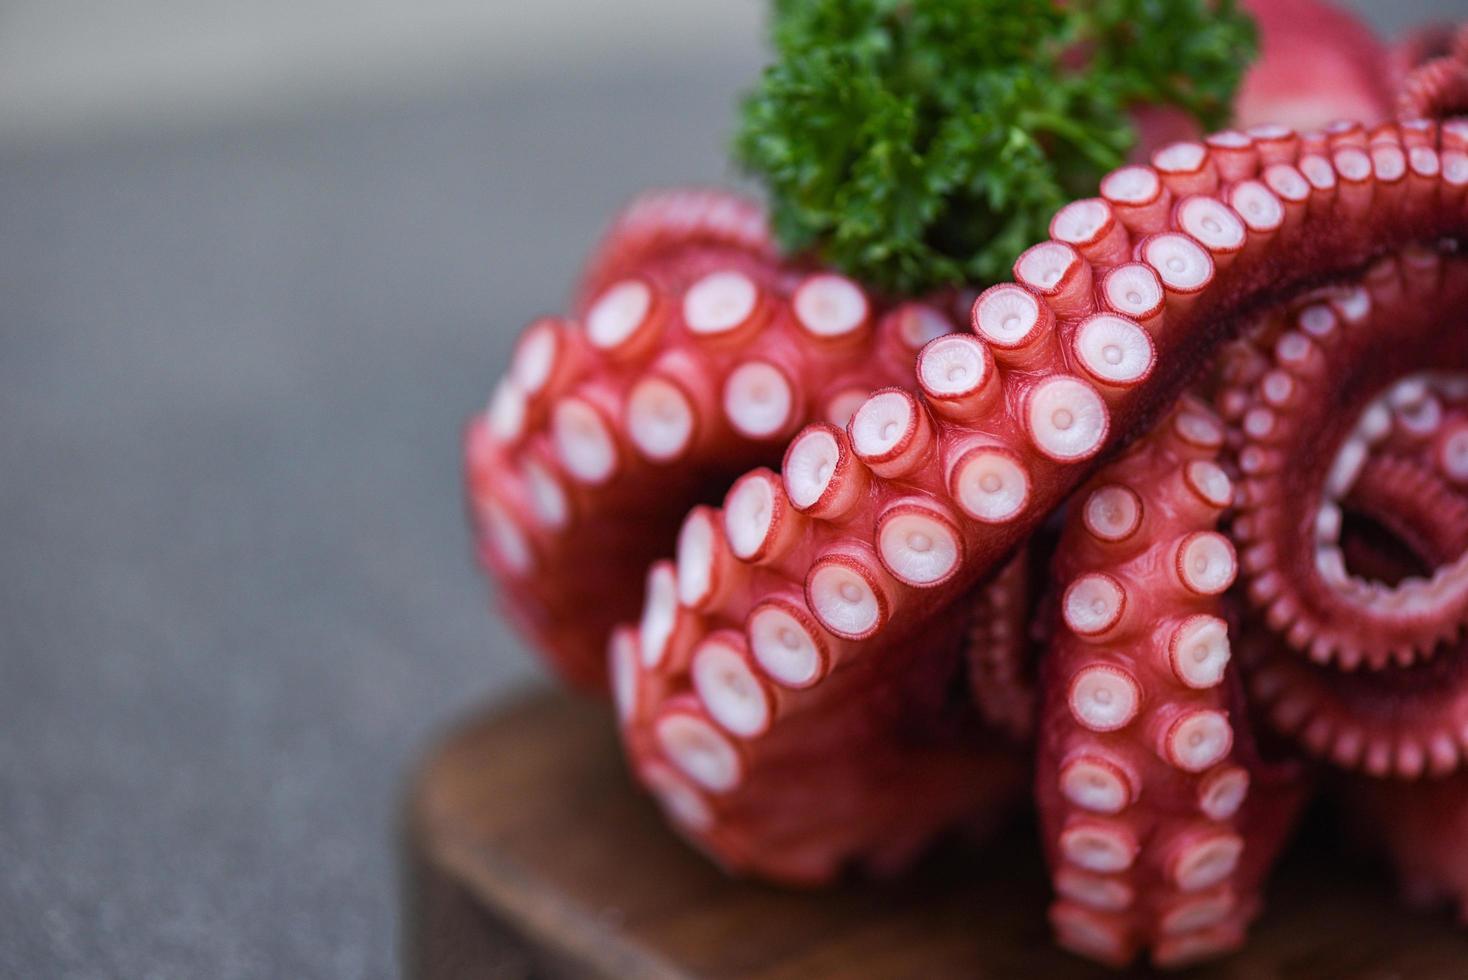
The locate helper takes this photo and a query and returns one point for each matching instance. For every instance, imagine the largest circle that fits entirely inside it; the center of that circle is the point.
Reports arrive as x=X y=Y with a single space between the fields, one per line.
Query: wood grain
x=531 y=855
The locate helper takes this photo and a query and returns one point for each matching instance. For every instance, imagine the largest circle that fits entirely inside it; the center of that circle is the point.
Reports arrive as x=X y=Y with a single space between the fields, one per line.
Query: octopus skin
x=1396 y=737
x=1160 y=819
x=1354 y=527
x=873 y=535
x=799 y=782
x=693 y=355
x=1361 y=658
x=1342 y=384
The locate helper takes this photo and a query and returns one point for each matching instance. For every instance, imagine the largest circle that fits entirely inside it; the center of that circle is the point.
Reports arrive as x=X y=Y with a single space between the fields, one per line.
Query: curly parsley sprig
x=920 y=143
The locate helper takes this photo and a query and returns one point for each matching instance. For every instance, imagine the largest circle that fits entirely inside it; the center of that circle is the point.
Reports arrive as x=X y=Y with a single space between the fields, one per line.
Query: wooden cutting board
x=530 y=854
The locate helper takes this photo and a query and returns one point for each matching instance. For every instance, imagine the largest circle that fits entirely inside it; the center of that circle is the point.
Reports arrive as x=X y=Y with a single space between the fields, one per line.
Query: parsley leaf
x=921 y=143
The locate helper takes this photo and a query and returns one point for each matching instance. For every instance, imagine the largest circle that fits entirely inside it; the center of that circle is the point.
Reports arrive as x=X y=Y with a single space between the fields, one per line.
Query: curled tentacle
x=1408 y=510
x=673 y=226
x=1339 y=385
x=1401 y=720
x=1354 y=532
x=694 y=357
x=781 y=758
x=1159 y=819
x=1435 y=89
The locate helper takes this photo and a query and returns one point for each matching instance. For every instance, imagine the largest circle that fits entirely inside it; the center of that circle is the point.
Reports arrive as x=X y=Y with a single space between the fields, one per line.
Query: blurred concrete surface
x=73 y=68
x=256 y=264
x=236 y=596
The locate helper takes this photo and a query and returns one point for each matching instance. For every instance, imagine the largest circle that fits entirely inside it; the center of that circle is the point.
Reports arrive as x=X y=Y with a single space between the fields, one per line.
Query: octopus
x=1164 y=534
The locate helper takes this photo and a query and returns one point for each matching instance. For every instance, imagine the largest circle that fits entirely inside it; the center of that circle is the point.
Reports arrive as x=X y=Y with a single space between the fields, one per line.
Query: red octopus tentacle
x=778 y=771
x=1313 y=419
x=1406 y=729
x=1434 y=90
x=1404 y=726
x=1401 y=720
x=1386 y=455
x=673 y=225
x=1160 y=822
x=696 y=357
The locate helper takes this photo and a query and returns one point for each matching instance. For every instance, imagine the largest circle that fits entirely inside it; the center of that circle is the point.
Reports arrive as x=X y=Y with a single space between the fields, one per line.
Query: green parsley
x=921 y=143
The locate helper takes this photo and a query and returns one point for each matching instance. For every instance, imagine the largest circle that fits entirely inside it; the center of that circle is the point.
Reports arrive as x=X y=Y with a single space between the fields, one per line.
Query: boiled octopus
x=1182 y=508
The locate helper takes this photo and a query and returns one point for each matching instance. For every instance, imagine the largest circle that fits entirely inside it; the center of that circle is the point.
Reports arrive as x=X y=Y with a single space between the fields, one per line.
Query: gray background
x=255 y=269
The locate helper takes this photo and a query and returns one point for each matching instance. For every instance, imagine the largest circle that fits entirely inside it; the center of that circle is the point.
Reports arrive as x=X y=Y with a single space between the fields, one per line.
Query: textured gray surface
x=235 y=597
x=236 y=594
